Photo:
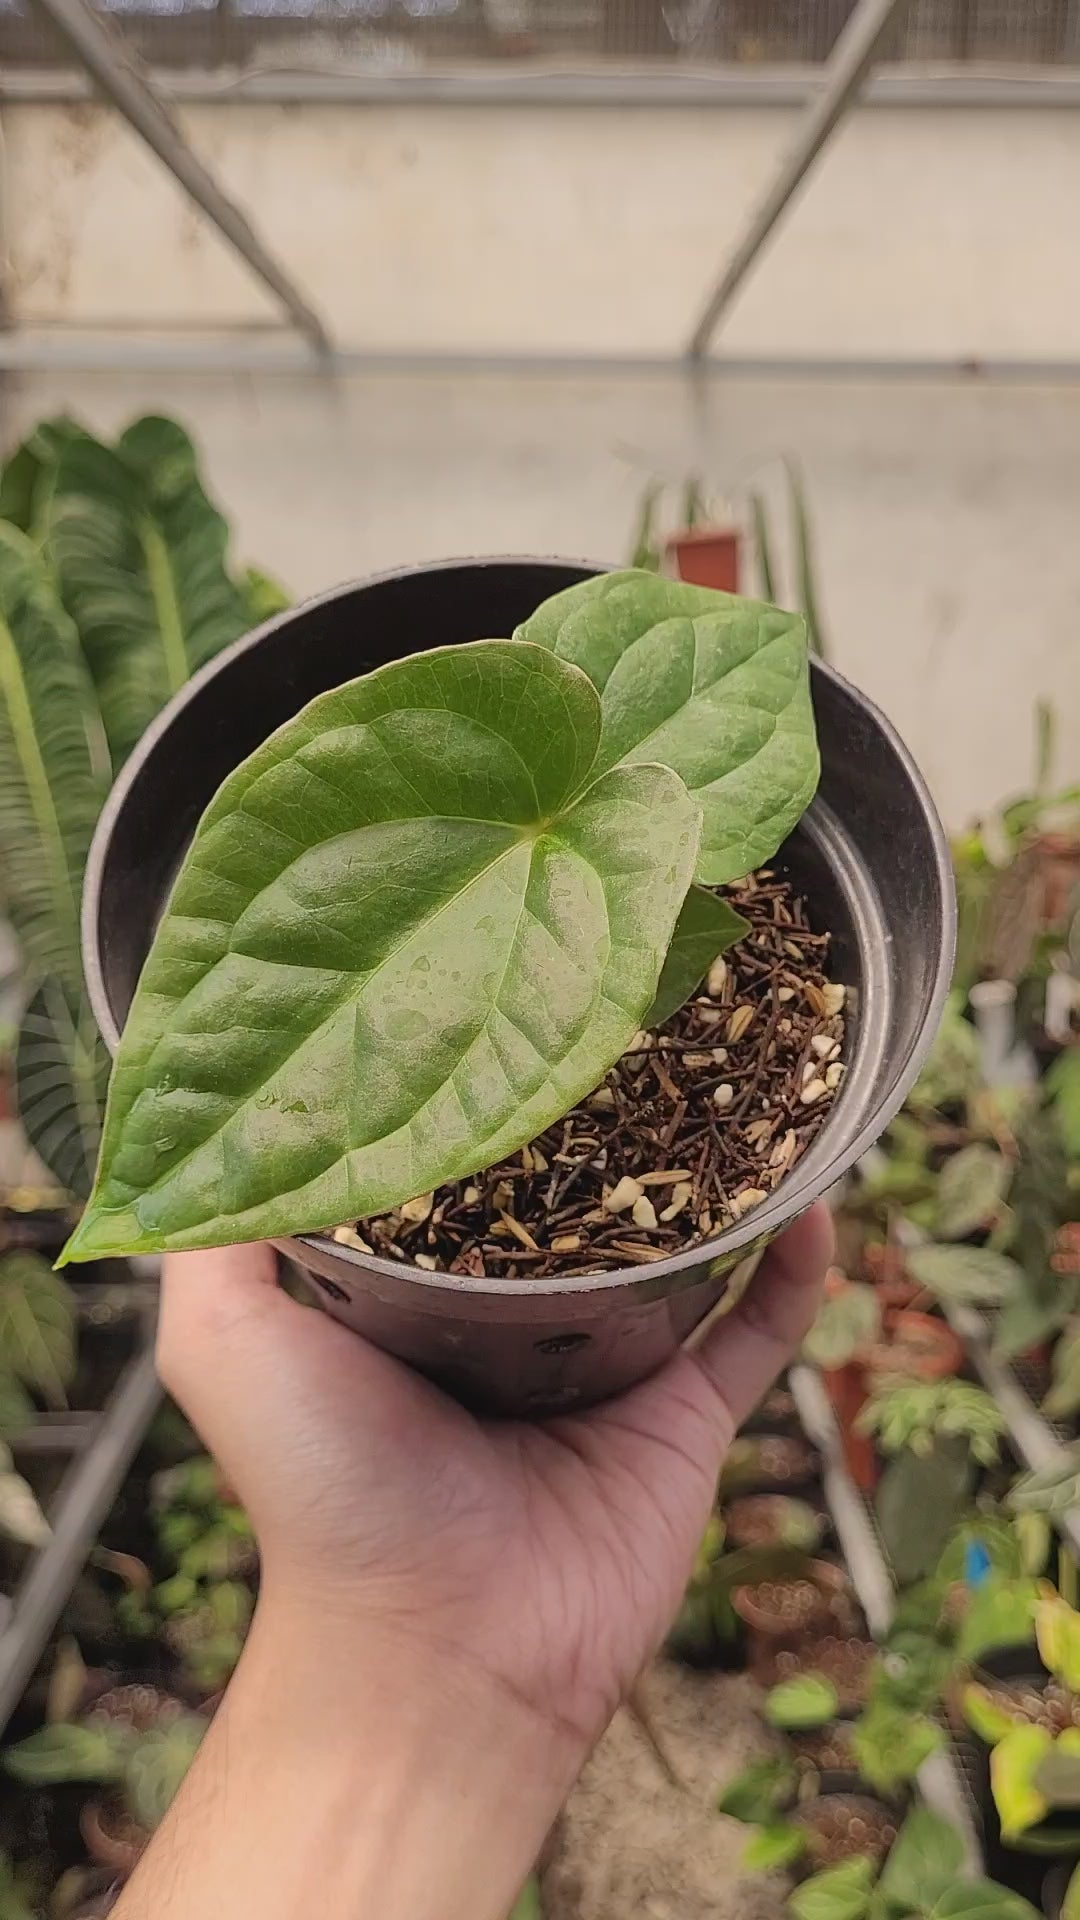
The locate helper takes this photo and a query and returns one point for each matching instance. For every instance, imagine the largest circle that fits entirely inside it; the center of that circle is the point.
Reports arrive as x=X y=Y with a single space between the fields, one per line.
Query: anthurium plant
x=1034 y=1770
x=425 y=917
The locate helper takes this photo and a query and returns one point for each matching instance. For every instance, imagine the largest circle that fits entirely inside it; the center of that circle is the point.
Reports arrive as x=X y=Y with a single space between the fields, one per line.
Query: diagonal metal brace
x=110 y=63
x=848 y=64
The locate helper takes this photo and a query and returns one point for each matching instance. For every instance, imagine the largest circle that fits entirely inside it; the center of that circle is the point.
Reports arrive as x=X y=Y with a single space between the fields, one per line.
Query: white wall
x=946 y=513
x=554 y=228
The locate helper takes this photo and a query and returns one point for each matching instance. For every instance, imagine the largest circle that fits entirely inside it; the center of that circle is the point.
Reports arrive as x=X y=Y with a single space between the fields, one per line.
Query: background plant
x=115 y=584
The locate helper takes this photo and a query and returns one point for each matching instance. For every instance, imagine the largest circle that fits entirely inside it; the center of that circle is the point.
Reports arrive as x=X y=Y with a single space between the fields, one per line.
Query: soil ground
x=633 y=1846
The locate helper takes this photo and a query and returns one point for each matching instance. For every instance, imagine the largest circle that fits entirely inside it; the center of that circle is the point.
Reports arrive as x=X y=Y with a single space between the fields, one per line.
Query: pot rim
x=790 y=1198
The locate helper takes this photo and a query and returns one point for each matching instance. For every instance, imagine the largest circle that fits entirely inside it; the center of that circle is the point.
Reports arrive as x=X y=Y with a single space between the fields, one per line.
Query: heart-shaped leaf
x=966 y=1275
x=840 y=1893
x=709 y=684
x=705 y=928
x=411 y=931
x=807 y=1700
x=970 y=1189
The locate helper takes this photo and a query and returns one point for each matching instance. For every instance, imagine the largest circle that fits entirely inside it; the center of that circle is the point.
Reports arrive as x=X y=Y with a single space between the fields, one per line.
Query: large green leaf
x=62 y=1070
x=26 y=477
x=706 y=927
x=412 y=930
x=50 y=788
x=37 y=1325
x=140 y=554
x=711 y=685
x=925 y=1859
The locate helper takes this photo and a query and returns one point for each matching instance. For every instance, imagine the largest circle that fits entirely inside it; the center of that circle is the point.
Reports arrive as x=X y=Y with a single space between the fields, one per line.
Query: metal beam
x=847 y=67
x=102 y=51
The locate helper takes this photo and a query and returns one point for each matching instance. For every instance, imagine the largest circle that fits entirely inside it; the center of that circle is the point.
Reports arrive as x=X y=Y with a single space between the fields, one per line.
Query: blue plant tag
x=976 y=1563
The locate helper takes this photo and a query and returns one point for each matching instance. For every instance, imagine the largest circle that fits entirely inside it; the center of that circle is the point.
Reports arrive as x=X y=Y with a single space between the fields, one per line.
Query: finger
x=220 y=1322
x=744 y=1352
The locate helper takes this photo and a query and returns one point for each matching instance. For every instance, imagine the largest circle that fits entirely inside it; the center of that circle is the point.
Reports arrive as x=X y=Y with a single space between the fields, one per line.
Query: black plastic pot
x=870 y=854
x=1021 y=1864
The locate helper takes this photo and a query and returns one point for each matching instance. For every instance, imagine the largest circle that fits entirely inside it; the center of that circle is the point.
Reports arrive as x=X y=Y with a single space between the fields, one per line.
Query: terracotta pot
x=111 y=1838
x=847 y=1389
x=846 y=1659
x=768 y=1630
x=1059 y=871
x=761 y=1519
x=917 y=1347
x=882 y=1266
x=708 y=557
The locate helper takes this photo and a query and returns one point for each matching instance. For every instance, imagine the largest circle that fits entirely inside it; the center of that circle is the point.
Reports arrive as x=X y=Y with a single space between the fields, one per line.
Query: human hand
x=460 y=1602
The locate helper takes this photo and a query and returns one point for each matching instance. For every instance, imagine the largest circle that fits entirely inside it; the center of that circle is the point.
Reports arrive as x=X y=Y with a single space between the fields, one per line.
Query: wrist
x=373 y=1774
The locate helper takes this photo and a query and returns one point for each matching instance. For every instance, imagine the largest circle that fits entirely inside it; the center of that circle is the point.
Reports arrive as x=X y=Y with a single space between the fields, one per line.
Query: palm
x=552 y=1555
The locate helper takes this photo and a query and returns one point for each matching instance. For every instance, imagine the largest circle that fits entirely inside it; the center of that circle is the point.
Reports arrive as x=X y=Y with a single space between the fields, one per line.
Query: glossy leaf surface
x=714 y=686
x=412 y=930
x=705 y=929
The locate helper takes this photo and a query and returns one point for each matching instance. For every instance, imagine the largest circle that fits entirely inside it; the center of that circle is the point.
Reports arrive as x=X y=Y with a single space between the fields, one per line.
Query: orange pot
x=708 y=557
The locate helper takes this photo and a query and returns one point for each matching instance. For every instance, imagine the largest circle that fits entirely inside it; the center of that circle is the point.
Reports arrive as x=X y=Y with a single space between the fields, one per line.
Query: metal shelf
x=940 y=1781
x=102 y=1447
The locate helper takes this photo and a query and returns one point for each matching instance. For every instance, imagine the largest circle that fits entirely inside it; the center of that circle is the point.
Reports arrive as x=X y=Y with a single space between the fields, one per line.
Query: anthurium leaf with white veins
x=412 y=930
x=714 y=686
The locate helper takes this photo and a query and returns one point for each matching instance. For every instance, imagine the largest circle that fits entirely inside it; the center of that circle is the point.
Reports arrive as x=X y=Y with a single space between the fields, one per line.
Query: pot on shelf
x=111 y=1838
x=777 y=1613
x=706 y=557
x=918 y=1346
x=531 y=1346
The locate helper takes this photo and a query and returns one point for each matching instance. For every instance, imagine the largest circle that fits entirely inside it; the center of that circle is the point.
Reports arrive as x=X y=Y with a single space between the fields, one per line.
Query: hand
x=551 y=1557
x=522 y=1572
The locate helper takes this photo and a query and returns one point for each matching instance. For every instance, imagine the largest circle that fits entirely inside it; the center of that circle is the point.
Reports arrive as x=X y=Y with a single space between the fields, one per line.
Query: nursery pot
x=918 y=1347
x=870 y=854
x=111 y=1840
x=1020 y=1864
x=770 y=1626
x=706 y=557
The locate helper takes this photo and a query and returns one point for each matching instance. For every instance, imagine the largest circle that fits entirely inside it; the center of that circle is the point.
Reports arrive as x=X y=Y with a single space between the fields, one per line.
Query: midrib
x=166 y=605
x=42 y=805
